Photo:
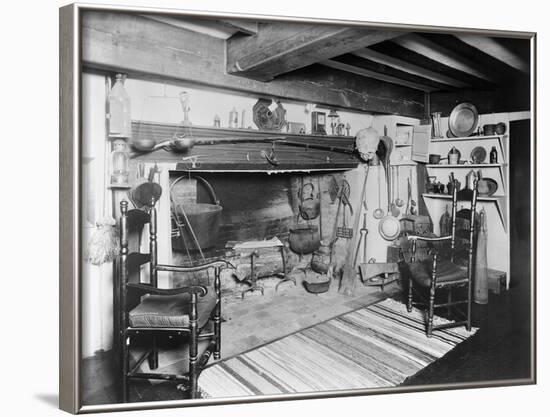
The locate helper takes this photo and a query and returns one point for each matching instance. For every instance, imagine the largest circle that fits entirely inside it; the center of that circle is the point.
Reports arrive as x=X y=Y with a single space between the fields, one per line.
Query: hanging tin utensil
x=333 y=189
x=413 y=202
x=309 y=203
x=398 y=201
x=378 y=213
x=395 y=212
x=344 y=231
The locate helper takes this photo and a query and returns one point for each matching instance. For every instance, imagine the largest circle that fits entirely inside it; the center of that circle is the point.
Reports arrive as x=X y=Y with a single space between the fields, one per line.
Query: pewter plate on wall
x=463 y=120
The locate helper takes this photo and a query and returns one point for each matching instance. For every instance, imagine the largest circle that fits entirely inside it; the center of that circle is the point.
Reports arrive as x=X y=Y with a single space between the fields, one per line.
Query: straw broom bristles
x=104 y=244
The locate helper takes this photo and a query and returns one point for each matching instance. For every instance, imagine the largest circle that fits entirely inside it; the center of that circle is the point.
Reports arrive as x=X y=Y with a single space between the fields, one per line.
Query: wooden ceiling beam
x=147 y=49
x=495 y=49
x=207 y=27
x=245 y=26
x=405 y=66
x=435 y=52
x=279 y=48
x=376 y=75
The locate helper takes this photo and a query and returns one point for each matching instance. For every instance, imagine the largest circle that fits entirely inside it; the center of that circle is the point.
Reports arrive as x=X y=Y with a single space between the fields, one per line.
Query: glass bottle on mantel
x=120 y=125
x=233 y=119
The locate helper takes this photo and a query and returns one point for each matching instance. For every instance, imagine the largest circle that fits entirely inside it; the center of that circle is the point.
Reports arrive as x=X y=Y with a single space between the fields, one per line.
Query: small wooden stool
x=379 y=273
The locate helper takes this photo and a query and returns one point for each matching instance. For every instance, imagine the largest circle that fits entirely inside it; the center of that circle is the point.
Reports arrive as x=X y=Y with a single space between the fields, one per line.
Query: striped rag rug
x=373 y=347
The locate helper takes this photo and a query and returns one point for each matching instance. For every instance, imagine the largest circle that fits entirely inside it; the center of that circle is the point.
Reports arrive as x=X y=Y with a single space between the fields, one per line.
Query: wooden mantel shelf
x=245 y=150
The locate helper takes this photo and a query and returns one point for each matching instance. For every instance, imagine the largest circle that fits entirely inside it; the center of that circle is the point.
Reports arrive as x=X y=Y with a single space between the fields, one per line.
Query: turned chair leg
x=154 y=355
x=217 y=316
x=469 y=312
x=410 y=296
x=432 y=298
x=431 y=313
x=124 y=367
x=449 y=301
x=193 y=348
x=217 y=331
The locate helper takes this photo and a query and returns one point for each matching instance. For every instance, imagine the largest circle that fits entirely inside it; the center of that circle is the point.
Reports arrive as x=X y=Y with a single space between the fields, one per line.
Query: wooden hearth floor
x=257 y=320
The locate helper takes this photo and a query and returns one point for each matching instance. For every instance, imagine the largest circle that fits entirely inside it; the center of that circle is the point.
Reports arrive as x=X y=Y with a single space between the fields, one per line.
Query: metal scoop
x=378 y=213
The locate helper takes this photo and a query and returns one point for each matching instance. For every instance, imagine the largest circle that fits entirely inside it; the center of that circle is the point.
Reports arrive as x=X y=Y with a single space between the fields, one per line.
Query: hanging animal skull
x=366 y=141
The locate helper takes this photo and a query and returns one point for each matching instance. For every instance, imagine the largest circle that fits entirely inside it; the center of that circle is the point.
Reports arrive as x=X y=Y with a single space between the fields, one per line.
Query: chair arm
x=429 y=239
x=148 y=288
x=179 y=268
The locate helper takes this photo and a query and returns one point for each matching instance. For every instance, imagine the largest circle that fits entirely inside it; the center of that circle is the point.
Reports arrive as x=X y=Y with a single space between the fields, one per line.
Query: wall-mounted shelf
x=404 y=164
x=480 y=139
x=495 y=171
x=499 y=202
x=496 y=205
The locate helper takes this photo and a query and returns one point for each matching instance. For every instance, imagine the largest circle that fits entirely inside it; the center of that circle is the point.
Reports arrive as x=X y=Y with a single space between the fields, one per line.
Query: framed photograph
x=244 y=215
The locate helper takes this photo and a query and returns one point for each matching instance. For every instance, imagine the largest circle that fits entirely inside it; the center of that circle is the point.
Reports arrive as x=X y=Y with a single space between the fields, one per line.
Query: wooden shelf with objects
x=496 y=205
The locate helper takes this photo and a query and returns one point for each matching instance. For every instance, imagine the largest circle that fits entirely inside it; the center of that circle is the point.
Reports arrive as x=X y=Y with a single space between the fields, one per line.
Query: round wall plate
x=463 y=120
x=478 y=155
x=389 y=228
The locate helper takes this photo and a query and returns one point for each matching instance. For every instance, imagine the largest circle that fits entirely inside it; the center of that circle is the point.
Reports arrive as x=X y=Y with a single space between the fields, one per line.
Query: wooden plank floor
x=499 y=351
x=247 y=323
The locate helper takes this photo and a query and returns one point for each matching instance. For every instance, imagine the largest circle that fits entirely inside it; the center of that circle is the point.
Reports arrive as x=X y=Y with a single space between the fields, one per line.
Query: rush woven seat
x=447 y=273
x=171 y=311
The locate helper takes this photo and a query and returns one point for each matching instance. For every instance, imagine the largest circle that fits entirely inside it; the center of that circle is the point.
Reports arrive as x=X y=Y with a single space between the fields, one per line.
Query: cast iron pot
x=304 y=239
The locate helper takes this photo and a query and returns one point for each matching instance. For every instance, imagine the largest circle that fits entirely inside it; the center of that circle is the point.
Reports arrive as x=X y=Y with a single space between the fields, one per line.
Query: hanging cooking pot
x=200 y=221
x=309 y=202
x=304 y=239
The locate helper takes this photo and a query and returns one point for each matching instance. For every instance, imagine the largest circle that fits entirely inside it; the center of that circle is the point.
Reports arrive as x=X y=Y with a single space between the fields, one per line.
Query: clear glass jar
x=119 y=164
x=120 y=123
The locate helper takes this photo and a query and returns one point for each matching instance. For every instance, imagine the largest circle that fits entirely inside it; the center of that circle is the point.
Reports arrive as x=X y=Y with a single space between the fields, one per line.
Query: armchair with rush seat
x=436 y=275
x=144 y=309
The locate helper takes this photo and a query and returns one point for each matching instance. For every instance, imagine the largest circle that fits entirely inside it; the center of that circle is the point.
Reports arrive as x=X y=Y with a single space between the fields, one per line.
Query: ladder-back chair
x=444 y=274
x=144 y=309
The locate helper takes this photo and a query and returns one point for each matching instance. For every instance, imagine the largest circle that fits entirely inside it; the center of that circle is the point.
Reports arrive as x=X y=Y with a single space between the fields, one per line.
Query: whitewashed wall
x=97 y=281
x=153 y=101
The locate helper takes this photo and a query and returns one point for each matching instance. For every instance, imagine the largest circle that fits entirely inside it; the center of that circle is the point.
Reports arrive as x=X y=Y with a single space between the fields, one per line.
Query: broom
x=104 y=244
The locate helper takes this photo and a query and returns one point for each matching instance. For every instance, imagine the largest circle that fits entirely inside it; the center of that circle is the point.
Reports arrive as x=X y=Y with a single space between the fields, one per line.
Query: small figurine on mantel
x=184 y=101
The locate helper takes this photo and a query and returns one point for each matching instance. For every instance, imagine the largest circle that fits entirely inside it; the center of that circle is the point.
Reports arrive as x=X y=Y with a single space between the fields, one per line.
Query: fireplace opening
x=226 y=208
